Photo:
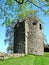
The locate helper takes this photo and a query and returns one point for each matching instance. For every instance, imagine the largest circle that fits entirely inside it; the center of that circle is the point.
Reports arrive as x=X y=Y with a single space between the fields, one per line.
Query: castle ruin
x=27 y=37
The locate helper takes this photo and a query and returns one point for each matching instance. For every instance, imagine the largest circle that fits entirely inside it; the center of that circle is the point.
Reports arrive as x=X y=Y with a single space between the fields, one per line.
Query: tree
x=9 y=38
x=16 y=9
x=10 y=48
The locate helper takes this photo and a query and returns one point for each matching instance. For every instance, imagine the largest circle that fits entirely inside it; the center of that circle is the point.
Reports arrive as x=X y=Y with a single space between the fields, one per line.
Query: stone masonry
x=28 y=37
x=35 y=38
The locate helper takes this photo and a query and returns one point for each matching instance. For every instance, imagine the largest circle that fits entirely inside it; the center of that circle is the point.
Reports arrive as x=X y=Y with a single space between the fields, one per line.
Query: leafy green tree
x=10 y=48
x=21 y=9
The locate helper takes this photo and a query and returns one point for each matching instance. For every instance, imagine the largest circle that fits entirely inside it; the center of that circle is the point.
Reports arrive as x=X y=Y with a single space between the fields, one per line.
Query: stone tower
x=28 y=37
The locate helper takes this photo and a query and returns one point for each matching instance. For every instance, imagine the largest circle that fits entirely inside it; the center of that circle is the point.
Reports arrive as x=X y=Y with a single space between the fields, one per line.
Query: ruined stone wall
x=35 y=39
x=19 y=38
x=28 y=37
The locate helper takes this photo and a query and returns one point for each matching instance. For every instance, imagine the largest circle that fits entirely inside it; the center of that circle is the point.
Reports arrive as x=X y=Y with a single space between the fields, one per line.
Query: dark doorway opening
x=19 y=38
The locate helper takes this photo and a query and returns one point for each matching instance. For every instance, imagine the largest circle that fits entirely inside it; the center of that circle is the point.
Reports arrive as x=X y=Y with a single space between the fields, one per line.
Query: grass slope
x=27 y=60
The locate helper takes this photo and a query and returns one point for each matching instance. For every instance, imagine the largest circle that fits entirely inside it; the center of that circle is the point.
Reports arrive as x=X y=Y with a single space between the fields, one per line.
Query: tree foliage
x=16 y=9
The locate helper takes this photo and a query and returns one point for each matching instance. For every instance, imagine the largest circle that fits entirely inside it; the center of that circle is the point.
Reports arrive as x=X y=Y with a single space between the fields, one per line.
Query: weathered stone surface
x=28 y=37
x=35 y=39
x=19 y=38
x=4 y=56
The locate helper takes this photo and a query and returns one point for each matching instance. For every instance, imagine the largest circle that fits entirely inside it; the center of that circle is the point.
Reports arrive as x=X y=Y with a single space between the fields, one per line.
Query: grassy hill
x=27 y=60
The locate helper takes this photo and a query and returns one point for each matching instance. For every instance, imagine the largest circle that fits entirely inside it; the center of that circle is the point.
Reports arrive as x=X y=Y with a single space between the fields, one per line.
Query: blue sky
x=45 y=19
x=2 y=38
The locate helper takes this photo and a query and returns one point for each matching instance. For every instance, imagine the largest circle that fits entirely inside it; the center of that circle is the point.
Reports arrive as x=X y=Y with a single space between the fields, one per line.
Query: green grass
x=27 y=60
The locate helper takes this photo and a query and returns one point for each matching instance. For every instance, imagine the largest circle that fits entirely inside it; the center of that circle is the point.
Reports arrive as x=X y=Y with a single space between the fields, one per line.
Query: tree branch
x=31 y=3
x=4 y=11
x=37 y=6
x=45 y=5
x=20 y=2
